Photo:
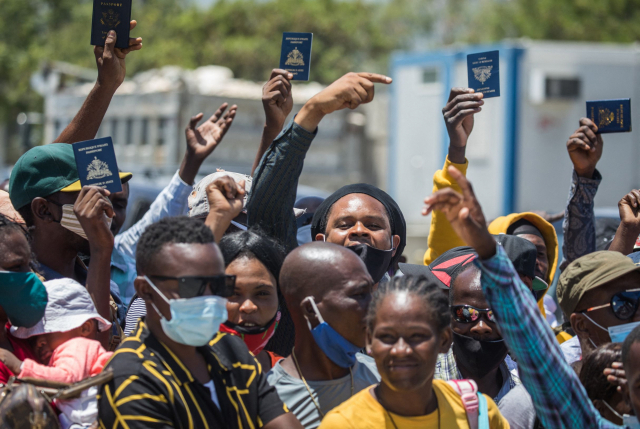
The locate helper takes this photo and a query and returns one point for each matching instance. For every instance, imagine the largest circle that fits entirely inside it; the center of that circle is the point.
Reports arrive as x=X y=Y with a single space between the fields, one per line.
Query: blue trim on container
x=511 y=130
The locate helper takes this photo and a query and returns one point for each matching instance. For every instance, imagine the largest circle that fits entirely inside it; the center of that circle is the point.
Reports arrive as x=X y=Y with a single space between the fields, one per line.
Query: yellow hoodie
x=442 y=237
x=501 y=224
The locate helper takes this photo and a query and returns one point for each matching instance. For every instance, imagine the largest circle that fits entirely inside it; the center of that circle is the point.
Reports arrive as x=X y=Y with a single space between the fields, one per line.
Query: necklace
x=391 y=417
x=295 y=360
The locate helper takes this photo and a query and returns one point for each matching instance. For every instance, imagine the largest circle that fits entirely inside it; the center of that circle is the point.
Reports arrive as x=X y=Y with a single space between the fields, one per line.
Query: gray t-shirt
x=329 y=394
x=517 y=407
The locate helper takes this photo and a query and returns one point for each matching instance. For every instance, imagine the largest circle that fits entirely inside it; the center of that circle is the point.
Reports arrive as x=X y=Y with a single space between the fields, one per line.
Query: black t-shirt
x=151 y=388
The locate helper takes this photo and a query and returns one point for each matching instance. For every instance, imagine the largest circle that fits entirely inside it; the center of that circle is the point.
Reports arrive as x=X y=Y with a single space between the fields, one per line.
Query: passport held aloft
x=610 y=116
x=295 y=56
x=96 y=162
x=483 y=70
x=111 y=15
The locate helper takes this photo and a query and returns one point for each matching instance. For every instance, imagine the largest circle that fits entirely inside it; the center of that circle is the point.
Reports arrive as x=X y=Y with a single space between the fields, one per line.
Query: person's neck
x=314 y=364
x=61 y=259
x=420 y=402
x=490 y=384
x=188 y=355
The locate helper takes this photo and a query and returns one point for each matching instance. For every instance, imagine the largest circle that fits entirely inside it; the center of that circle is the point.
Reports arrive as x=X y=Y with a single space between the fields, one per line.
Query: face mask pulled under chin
x=70 y=221
x=376 y=260
x=194 y=321
x=479 y=357
x=338 y=349
x=255 y=338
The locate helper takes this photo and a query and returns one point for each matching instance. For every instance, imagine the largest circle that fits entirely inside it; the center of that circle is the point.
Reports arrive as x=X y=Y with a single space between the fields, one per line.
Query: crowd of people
x=229 y=304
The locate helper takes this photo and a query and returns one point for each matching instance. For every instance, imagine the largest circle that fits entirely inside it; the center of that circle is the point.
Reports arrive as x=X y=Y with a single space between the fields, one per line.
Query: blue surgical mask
x=23 y=298
x=194 y=321
x=304 y=235
x=335 y=346
x=617 y=333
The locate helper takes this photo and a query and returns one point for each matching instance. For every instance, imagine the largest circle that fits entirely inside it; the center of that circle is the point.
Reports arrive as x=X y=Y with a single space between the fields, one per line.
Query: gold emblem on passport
x=605 y=117
x=110 y=18
x=97 y=169
x=482 y=73
x=294 y=58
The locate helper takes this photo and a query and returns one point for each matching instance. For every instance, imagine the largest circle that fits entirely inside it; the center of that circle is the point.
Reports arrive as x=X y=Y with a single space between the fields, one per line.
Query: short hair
x=632 y=338
x=7 y=226
x=253 y=244
x=435 y=303
x=591 y=376
x=179 y=229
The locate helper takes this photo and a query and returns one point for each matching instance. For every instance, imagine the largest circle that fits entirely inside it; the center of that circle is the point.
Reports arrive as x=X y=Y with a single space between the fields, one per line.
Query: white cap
x=198 y=201
x=69 y=305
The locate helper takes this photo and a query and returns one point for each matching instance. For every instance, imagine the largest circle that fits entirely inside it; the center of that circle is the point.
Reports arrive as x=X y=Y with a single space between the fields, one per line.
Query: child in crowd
x=64 y=341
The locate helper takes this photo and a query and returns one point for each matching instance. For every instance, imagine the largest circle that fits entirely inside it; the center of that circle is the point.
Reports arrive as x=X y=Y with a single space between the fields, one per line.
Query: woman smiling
x=408 y=325
x=253 y=310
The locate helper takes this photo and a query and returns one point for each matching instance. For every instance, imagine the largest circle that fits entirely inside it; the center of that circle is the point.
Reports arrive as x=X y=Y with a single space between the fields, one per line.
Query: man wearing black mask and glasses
x=598 y=294
x=176 y=367
x=478 y=351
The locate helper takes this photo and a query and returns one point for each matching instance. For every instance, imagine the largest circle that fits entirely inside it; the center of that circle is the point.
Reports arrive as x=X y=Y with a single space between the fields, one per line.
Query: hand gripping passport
x=111 y=15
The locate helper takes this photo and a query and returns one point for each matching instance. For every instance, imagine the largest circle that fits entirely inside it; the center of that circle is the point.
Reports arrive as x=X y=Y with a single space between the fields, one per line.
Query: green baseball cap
x=590 y=272
x=45 y=170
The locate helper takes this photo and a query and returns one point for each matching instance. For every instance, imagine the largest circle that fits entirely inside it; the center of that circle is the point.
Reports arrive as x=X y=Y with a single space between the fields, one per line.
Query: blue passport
x=611 y=116
x=295 y=56
x=97 y=166
x=484 y=73
x=111 y=15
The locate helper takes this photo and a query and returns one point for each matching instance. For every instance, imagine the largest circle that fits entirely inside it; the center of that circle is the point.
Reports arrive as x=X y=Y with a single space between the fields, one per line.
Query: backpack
x=474 y=402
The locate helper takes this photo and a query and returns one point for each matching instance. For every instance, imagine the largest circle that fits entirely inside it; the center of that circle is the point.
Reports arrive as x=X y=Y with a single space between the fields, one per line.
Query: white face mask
x=194 y=321
x=70 y=221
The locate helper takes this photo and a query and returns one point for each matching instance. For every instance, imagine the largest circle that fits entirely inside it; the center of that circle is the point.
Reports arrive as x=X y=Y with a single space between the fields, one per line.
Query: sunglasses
x=190 y=287
x=469 y=314
x=623 y=304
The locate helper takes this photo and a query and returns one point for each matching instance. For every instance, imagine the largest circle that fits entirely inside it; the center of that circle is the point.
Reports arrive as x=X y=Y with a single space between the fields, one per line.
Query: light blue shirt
x=172 y=201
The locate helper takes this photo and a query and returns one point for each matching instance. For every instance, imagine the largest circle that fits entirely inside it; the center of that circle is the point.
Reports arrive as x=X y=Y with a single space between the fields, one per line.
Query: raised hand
x=226 y=199
x=585 y=148
x=629 y=208
x=350 y=91
x=464 y=213
x=458 y=114
x=277 y=99
x=202 y=140
x=111 y=60
x=91 y=207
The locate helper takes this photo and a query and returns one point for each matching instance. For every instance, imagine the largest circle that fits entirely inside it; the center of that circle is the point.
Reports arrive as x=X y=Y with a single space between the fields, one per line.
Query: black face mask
x=376 y=260
x=479 y=357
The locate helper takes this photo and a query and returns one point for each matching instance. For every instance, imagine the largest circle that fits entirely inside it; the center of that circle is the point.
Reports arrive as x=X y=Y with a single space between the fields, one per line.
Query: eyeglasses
x=623 y=304
x=190 y=287
x=469 y=313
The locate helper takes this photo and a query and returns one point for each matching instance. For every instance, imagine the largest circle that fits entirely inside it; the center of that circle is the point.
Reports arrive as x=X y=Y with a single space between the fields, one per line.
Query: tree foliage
x=244 y=35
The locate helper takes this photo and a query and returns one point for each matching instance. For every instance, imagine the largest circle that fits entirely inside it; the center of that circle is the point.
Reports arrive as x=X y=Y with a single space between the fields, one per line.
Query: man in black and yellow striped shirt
x=160 y=382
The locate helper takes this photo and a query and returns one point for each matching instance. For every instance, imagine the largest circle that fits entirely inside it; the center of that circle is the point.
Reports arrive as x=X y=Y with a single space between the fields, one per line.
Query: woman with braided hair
x=407 y=326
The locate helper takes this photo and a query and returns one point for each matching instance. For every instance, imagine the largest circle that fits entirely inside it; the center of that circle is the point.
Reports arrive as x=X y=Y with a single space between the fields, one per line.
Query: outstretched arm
x=557 y=394
x=111 y=72
x=275 y=182
x=585 y=150
x=458 y=116
x=629 y=229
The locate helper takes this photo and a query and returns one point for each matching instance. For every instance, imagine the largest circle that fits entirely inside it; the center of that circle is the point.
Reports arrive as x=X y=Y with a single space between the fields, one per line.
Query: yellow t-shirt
x=362 y=411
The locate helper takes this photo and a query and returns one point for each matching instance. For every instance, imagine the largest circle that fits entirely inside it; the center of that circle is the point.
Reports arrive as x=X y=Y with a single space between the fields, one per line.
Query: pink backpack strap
x=468 y=391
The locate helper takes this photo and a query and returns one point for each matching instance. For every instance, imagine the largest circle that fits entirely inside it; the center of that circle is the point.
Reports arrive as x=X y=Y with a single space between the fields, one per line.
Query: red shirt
x=21 y=349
